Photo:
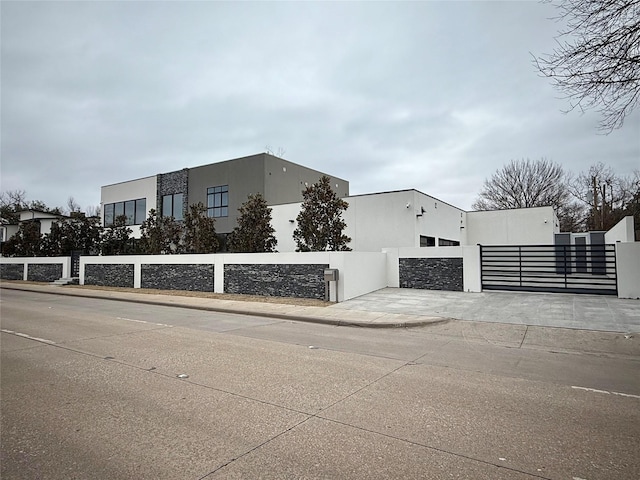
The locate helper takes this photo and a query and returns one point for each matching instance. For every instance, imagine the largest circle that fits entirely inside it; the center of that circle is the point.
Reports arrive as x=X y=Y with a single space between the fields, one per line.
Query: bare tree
x=527 y=183
x=93 y=211
x=16 y=199
x=72 y=205
x=607 y=196
x=12 y=201
x=596 y=63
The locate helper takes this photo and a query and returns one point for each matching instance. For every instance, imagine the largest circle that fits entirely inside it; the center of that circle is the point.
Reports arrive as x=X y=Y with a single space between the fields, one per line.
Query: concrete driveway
x=588 y=312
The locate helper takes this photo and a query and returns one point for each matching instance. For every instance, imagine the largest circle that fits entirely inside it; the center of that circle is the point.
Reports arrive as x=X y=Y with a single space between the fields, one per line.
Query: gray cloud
x=427 y=95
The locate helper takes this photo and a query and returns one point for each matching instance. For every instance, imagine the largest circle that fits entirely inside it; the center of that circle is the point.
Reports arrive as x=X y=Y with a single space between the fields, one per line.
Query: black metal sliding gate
x=580 y=268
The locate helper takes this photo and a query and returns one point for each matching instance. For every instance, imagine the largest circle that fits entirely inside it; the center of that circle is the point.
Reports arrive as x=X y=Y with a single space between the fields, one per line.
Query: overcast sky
x=428 y=95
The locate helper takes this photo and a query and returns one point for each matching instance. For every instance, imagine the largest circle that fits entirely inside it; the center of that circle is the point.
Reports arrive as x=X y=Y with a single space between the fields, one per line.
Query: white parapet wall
x=628 y=269
x=623 y=231
x=39 y=269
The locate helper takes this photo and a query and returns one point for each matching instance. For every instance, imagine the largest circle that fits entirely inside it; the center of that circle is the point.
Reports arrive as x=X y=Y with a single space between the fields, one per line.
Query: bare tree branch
x=596 y=63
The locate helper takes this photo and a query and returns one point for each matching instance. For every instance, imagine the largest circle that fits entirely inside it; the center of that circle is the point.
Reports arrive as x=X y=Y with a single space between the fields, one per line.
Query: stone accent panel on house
x=192 y=277
x=172 y=183
x=109 y=275
x=44 y=272
x=432 y=274
x=276 y=280
x=12 y=271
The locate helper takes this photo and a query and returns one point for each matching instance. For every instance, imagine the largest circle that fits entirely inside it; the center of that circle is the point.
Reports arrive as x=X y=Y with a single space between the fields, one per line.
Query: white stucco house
x=410 y=218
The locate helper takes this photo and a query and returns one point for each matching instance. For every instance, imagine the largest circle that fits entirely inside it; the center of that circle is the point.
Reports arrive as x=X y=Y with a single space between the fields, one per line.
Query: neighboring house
x=221 y=187
x=44 y=219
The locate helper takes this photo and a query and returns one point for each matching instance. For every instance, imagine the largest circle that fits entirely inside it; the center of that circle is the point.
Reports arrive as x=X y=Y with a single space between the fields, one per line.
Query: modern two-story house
x=221 y=187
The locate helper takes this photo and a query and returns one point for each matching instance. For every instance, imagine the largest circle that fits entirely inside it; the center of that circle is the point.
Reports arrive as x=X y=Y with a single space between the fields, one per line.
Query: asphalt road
x=93 y=389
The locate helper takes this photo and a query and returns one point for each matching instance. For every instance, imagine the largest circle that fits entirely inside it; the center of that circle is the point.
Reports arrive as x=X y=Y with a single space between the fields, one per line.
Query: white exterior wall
x=120 y=192
x=380 y=220
x=280 y=221
x=628 y=269
x=623 y=231
x=524 y=226
x=440 y=220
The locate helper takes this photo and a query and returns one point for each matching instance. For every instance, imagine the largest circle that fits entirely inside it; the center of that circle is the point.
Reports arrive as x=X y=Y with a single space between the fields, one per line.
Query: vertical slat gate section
x=588 y=269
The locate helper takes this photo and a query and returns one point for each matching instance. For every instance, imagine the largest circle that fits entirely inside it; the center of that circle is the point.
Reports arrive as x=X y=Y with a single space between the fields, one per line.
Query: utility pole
x=595 y=202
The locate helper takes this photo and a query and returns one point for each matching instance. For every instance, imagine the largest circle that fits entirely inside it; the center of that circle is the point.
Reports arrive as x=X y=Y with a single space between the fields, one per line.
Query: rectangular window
x=443 y=242
x=108 y=214
x=218 y=201
x=130 y=211
x=427 y=241
x=141 y=211
x=119 y=210
x=172 y=206
x=135 y=212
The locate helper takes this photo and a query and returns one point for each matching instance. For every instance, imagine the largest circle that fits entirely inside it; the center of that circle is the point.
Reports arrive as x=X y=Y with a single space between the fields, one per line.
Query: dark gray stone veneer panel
x=12 y=271
x=432 y=274
x=278 y=280
x=171 y=183
x=192 y=277
x=109 y=275
x=44 y=272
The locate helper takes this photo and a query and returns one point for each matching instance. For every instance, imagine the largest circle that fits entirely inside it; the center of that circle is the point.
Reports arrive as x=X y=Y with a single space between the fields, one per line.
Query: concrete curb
x=235 y=311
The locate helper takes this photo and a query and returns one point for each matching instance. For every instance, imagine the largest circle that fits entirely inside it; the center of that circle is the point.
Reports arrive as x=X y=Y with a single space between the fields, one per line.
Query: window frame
x=218 y=201
x=174 y=202
x=113 y=210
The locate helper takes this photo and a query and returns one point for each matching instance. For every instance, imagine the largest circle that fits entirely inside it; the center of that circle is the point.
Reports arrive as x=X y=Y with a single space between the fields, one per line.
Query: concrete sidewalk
x=395 y=307
x=326 y=315
x=581 y=312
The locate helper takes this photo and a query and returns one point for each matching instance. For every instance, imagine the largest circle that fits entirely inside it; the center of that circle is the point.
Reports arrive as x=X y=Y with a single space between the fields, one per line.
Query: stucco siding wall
x=628 y=269
x=623 y=231
x=524 y=226
x=244 y=176
x=120 y=192
x=284 y=181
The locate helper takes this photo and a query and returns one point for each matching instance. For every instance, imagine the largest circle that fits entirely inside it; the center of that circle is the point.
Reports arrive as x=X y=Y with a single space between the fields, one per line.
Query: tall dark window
x=141 y=211
x=135 y=212
x=108 y=214
x=172 y=206
x=218 y=201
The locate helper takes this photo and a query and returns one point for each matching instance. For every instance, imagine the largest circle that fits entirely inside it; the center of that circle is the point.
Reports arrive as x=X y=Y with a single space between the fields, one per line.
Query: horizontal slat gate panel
x=549 y=268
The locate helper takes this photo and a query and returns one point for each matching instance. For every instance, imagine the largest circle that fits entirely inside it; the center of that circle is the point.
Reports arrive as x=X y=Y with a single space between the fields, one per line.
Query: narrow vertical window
x=108 y=214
